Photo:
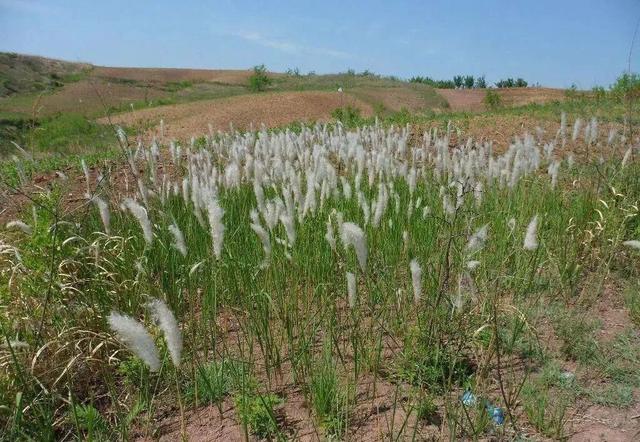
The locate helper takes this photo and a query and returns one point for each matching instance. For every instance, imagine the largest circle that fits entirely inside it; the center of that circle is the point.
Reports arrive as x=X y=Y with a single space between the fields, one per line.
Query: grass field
x=393 y=273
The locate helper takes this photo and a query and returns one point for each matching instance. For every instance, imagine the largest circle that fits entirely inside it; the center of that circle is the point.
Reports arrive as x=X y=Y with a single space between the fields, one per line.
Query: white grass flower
x=103 y=208
x=477 y=240
x=178 y=239
x=416 y=280
x=85 y=170
x=216 y=213
x=265 y=240
x=133 y=334
x=511 y=224
x=472 y=265
x=290 y=228
x=531 y=237
x=21 y=225
x=331 y=239
x=140 y=213
x=351 y=289
x=167 y=322
x=352 y=235
x=625 y=159
x=633 y=243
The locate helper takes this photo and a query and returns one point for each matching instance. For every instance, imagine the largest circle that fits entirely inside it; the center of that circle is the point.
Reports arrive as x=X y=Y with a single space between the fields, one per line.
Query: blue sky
x=555 y=43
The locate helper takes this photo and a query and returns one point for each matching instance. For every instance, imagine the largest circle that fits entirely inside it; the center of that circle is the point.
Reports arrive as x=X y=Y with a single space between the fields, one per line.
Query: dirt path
x=183 y=121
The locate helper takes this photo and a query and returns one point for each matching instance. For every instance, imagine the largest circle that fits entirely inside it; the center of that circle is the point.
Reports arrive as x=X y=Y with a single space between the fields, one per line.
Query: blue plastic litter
x=468 y=398
x=496 y=414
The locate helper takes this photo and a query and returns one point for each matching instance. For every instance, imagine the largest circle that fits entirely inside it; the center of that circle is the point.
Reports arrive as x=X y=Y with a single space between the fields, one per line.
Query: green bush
x=259 y=81
x=347 y=115
x=492 y=100
x=627 y=86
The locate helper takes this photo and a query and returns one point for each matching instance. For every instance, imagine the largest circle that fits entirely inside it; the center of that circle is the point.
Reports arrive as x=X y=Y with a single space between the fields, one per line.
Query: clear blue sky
x=555 y=43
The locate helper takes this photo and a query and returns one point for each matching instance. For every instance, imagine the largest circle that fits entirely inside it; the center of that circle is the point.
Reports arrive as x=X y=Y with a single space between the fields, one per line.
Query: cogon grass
x=294 y=190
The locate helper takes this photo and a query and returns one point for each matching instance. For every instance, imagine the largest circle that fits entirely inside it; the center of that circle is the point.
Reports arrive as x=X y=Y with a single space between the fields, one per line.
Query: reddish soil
x=183 y=121
x=160 y=75
x=472 y=99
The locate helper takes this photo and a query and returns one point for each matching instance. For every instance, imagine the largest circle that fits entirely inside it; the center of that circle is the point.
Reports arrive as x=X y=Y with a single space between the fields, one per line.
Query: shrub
x=347 y=115
x=492 y=100
x=627 y=86
x=259 y=81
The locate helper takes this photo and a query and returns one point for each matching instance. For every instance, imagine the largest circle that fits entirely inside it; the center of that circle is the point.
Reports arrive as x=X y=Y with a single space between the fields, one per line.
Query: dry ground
x=165 y=75
x=472 y=99
x=183 y=121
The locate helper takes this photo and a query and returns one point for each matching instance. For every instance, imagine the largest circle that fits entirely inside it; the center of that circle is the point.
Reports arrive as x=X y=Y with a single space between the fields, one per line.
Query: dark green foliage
x=469 y=81
x=481 y=83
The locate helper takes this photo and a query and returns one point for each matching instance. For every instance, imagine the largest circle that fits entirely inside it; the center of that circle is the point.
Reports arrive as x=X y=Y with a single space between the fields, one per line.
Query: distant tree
x=259 y=81
x=520 y=83
x=458 y=81
x=469 y=81
x=505 y=83
x=293 y=72
x=481 y=83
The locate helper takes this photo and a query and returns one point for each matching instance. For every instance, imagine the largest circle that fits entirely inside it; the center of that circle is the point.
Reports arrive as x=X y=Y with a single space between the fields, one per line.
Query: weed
x=257 y=412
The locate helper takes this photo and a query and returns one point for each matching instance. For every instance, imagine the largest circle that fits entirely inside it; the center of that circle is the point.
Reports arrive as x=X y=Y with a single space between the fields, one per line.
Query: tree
x=521 y=83
x=505 y=83
x=458 y=81
x=481 y=83
x=469 y=81
x=259 y=81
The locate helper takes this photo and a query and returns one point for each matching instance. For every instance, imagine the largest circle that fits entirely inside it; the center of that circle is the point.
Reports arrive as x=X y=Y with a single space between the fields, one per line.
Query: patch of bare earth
x=394 y=98
x=183 y=121
x=472 y=99
x=165 y=75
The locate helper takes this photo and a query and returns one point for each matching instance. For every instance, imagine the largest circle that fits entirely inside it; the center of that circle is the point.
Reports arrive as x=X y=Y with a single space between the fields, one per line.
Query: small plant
x=546 y=410
x=492 y=100
x=259 y=80
x=215 y=381
x=89 y=420
x=427 y=410
x=347 y=115
x=328 y=399
x=257 y=412
x=577 y=336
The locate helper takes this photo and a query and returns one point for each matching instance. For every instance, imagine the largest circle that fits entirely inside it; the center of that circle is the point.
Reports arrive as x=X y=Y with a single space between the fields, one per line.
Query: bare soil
x=472 y=99
x=160 y=75
x=183 y=121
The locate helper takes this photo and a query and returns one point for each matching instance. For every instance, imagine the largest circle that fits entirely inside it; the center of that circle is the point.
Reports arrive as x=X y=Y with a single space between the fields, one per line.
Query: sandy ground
x=183 y=121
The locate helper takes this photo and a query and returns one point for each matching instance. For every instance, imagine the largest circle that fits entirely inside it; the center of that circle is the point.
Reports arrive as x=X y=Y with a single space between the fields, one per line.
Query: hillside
x=25 y=73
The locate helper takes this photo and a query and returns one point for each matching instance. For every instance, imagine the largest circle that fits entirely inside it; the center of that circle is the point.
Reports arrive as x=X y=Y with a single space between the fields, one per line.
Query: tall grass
x=446 y=253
